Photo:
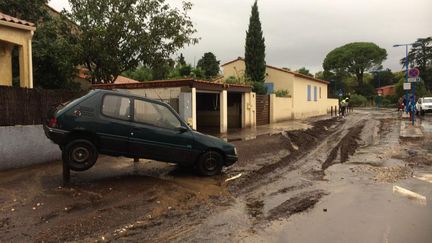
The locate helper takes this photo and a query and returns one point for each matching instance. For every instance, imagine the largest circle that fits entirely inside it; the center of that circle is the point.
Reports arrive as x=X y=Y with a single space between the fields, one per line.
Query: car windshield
x=427 y=100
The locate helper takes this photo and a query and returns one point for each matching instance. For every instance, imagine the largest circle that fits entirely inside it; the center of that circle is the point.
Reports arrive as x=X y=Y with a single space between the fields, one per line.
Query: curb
x=409 y=131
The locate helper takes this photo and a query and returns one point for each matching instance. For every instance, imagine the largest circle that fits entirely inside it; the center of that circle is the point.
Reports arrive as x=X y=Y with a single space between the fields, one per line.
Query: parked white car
x=424 y=105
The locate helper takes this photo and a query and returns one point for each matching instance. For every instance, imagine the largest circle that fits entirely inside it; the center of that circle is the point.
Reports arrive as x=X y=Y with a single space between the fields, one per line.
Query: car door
x=114 y=127
x=157 y=133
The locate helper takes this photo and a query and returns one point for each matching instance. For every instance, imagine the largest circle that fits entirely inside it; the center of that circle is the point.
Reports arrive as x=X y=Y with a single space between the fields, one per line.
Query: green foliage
x=118 y=35
x=382 y=78
x=358 y=100
x=420 y=55
x=32 y=11
x=209 y=65
x=281 y=93
x=354 y=58
x=259 y=88
x=141 y=73
x=304 y=71
x=237 y=80
x=181 y=60
x=54 y=47
x=255 y=49
x=185 y=70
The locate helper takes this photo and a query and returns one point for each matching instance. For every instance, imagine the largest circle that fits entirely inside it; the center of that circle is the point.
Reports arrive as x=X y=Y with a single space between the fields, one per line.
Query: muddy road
x=339 y=180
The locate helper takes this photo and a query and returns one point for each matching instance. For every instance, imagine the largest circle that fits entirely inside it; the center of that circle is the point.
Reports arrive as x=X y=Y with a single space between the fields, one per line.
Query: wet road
x=335 y=180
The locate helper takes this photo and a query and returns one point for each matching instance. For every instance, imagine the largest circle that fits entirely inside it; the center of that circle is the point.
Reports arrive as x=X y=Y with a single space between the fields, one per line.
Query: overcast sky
x=301 y=32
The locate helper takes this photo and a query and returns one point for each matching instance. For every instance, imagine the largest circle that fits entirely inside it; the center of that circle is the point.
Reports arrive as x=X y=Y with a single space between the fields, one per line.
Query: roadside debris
x=234 y=177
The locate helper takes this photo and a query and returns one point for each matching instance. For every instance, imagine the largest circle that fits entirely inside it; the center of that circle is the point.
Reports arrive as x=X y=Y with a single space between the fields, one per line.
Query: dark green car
x=118 y=124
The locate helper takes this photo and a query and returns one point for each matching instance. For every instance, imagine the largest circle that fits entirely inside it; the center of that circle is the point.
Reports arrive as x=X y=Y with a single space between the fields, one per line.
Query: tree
x=209 y=65
x=255 y=51
x=142 y=73
x=420 y=55
x=119 y=35
x=304 y=71
x=181 y=60
x=54 y=44
x=355 y=58
x=33 y=11
x=383 y=78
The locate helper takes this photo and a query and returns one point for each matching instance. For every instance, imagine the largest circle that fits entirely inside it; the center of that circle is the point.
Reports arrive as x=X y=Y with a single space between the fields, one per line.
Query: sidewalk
x=407 y=130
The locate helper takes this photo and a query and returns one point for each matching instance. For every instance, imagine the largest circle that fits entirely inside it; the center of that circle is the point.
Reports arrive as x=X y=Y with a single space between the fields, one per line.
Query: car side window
x=154 y=114
x=116 y=107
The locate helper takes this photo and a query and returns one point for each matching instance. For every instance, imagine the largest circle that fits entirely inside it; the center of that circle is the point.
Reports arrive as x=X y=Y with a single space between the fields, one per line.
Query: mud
x=298 y=142
x=296 y=204
x=286 y=178
x=346 y=147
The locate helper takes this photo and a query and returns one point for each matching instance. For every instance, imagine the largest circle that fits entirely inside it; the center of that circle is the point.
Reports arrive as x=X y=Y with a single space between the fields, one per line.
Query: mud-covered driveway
x=341 y=180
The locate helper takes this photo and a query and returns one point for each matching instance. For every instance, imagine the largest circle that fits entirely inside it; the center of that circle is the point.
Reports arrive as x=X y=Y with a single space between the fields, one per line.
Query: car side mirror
x=182 y=129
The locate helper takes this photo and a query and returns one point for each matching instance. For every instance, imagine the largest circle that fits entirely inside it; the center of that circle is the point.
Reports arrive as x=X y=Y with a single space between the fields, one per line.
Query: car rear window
x=427 y=100
x=116 y=107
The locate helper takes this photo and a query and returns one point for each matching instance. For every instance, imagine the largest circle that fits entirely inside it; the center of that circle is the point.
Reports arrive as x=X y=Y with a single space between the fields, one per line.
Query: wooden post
x=331 y=111
x=66 y=174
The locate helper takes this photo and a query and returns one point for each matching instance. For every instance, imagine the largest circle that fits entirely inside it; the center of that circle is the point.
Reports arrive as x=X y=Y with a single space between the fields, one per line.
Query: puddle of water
x=355 y=213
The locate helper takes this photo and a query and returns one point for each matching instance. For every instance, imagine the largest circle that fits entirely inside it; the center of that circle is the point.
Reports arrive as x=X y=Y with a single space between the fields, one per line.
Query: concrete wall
x=281 y=109
x=25 y=145
x=249 y=110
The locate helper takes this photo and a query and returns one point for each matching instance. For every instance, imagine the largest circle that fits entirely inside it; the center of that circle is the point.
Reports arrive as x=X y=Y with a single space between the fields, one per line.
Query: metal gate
x=262 y=109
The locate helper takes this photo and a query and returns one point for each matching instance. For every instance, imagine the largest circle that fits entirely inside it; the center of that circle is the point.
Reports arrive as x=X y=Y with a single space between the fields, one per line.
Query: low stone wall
x=22 y=146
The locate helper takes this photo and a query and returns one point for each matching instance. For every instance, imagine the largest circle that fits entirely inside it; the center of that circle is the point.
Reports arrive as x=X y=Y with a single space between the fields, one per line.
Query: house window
x=308 y=93
x=320 y=92
x=315 y=94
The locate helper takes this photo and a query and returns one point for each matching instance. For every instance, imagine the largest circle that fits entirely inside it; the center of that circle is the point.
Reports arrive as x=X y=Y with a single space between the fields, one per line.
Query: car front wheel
x=210 y=163
x=80 y=154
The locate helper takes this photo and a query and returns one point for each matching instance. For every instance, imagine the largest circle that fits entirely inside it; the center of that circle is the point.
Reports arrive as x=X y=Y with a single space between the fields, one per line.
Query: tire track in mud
x=346 y=147
x=299 y=143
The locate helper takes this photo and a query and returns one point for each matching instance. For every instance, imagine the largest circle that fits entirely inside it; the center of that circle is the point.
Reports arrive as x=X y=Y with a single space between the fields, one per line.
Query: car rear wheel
x=210 y=163
x=80 y=154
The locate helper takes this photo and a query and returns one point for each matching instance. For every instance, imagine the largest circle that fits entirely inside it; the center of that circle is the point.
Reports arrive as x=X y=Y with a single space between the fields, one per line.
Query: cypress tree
x=255 y=50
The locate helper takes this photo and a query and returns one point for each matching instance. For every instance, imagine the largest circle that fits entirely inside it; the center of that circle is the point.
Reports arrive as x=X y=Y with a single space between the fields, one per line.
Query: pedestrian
x=343 y=105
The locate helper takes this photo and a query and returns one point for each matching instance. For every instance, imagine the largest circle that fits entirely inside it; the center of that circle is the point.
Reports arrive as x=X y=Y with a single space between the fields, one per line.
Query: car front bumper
x=230 y=159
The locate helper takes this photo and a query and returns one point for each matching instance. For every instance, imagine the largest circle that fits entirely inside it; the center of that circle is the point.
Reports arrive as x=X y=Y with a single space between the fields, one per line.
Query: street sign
x=407 y=86
x=413 y=73
x=414 y=79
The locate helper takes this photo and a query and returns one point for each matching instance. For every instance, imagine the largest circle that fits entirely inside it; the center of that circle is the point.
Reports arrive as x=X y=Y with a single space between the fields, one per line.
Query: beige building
x=16 y=33
x=307 y=96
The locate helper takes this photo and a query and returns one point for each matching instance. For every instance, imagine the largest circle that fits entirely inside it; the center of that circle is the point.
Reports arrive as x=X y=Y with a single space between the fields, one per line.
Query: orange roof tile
x=11 y=19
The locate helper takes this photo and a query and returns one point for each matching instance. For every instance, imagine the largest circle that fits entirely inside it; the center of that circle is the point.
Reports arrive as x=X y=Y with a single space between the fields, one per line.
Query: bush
x=259 y=88
x=357 y=100
x=281 y=93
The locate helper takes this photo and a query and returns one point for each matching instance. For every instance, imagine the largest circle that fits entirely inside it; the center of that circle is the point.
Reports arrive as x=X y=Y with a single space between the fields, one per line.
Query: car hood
x=211 y=141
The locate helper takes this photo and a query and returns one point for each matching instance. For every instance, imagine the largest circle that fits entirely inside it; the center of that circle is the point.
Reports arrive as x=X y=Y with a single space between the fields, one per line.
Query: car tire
x=80 y=154
x=210 y=163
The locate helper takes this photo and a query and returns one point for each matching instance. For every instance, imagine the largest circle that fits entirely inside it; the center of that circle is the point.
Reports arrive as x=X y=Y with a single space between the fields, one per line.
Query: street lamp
x=406 y=79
